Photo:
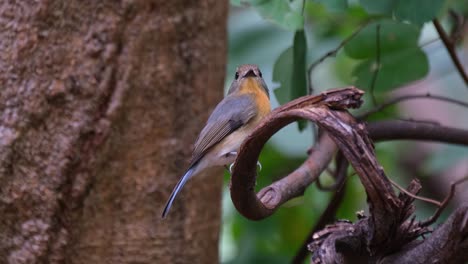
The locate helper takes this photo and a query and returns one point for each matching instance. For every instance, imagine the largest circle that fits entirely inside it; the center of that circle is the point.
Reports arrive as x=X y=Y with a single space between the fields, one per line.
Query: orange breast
x=250 y=86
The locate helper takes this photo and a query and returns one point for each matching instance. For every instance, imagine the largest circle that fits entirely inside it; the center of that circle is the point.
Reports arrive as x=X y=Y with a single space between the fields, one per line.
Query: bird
x=245 y=105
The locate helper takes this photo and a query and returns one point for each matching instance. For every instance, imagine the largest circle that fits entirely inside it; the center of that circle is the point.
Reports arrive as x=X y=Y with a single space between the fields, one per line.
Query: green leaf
x=418 y=11
x=396 y=69
x=334 y=6
x=282 y=74
x=299 y=77
x=393 y=36
x=414 y=11
x=280 y=12
x=290 y=70
x=378 y=6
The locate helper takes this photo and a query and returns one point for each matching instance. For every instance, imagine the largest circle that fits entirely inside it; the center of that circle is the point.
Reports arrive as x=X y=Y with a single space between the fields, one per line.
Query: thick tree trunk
x=100 y=102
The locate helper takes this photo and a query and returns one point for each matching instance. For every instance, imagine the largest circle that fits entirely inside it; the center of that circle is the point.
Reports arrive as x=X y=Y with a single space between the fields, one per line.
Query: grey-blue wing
x=230 y=114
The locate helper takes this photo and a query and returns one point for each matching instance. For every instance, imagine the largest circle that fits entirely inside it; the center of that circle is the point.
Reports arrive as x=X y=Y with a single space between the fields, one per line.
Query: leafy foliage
x=384 y=7
x=397 y=44
x=394 y=70
x=394 y=36
x=414 y=11
x=426 y=10
x=388 y=49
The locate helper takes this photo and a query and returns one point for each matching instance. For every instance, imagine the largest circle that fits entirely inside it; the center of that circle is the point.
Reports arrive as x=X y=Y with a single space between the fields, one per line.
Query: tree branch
x=399 y=130
x=345 y=242
x=296 y=182
x=449 y=45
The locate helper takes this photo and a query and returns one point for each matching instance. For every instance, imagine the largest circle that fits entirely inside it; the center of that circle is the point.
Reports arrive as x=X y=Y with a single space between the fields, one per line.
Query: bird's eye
x=236 y=76
x=259 y=73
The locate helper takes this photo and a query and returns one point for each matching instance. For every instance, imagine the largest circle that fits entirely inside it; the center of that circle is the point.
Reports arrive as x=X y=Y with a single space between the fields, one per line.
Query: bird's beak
x=250 y=73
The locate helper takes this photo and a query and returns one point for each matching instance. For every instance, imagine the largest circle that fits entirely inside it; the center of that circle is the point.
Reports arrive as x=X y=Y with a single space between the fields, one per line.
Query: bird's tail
x=176 y=190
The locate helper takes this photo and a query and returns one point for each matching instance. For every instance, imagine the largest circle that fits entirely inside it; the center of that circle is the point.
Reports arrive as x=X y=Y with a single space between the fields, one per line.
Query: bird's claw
x=259 y=165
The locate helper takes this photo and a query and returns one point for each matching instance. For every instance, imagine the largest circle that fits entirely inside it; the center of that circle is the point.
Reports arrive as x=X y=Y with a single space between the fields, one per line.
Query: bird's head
x=248 y=79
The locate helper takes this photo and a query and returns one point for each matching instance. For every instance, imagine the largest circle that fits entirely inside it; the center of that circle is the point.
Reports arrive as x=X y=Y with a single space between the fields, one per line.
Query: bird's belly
x=222 y=152
x=231 y=144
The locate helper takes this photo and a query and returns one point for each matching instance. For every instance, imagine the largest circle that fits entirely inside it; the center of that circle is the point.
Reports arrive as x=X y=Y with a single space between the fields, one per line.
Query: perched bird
x=246 y=103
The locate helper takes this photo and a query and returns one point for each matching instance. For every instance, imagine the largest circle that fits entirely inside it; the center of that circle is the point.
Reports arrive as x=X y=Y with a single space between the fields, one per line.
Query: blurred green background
x=286 y=37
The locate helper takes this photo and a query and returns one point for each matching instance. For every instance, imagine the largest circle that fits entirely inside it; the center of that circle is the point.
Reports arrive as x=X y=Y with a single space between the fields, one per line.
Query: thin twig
x=399 y=99
x=339 y=174
x=449 y=45
x=444 y=203
x=330 y=54
x=377 y=64
x=417 y=197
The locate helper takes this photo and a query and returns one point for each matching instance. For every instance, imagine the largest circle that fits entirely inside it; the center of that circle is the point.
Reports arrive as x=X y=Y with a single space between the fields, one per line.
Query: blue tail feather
x=176 y=190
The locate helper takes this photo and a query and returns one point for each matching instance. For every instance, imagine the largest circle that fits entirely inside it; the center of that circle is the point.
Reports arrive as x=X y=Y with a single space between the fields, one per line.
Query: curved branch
x=345 y=132
x=296 y=182
x=243 y=186
x=294 y=185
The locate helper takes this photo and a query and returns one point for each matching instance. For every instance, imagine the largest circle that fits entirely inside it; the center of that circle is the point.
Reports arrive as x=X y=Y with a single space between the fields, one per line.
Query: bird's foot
x=230 y=154
x=259 y=165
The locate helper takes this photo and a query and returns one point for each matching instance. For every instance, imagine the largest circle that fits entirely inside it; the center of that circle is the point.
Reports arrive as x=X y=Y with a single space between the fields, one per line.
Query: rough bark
x=99 y=104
